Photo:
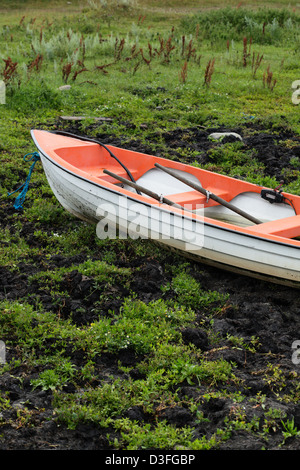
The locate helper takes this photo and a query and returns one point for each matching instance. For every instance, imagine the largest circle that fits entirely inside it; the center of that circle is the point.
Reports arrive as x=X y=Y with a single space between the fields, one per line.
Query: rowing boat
x=213 y=218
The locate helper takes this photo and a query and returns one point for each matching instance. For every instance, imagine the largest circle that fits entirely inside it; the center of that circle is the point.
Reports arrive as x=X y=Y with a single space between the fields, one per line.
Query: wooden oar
x=208 y=194
x=137 y=187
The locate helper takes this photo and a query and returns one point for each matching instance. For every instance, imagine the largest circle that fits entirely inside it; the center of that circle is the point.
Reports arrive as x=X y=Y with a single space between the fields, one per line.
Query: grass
x=89 y=58
x=149 y=72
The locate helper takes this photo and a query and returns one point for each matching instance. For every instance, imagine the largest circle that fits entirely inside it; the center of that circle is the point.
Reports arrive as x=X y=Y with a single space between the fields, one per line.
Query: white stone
x=220 y=135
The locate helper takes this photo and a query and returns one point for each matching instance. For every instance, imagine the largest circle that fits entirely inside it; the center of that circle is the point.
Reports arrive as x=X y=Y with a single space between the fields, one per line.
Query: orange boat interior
x=94 y=159
x=91 y=159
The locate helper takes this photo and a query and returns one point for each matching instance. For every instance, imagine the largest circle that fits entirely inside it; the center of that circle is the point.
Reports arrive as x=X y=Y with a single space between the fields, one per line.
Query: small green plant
x=272 y=420
x=275 y=378
x=48 y=380
x=190 y=293
x=290 y=430
x=210 y=372
x=163 y=436
x=240 y=343
x=139 y=327
x=4 y=402
x=54 y=379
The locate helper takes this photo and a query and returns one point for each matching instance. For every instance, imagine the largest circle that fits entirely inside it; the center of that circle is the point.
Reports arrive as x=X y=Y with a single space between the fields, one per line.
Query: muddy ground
x=257 y=309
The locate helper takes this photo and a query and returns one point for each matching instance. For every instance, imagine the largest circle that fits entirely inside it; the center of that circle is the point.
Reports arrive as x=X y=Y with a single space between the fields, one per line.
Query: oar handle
x=216 y=198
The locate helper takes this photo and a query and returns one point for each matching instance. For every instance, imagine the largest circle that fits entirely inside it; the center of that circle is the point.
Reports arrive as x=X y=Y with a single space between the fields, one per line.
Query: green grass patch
x=263 y=25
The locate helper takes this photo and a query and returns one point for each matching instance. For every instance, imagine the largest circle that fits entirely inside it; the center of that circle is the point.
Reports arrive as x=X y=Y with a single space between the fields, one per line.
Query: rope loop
x=33 y=156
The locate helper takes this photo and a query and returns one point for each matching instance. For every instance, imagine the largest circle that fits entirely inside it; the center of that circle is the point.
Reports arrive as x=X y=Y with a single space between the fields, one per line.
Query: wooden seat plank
x=289 y=227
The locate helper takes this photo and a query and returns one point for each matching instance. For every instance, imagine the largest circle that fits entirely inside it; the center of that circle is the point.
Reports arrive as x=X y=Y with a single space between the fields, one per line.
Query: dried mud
x=255 y=309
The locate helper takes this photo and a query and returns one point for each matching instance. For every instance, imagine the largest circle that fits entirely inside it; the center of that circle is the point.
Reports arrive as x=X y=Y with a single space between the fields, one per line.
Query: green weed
x=139 y=327
x=190 y=293
x=54 y=379
x=290 y=430
x=163 y=436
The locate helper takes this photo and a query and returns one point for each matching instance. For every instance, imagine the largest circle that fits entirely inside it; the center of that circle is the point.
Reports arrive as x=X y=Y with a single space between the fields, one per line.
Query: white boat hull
x=197 y=238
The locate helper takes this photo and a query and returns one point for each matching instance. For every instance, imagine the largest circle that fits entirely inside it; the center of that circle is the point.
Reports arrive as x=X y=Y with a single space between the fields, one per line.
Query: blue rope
x=24 y=187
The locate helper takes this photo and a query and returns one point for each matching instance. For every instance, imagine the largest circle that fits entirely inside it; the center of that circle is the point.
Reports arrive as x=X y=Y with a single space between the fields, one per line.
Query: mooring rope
x=24 y=187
